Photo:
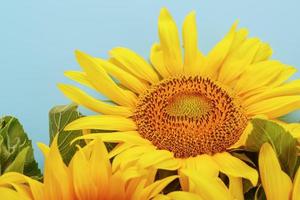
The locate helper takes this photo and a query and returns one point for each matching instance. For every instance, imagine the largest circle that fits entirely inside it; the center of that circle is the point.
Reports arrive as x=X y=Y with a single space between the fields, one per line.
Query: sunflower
x=86 y=177
x=183 y=111
x=276 y=183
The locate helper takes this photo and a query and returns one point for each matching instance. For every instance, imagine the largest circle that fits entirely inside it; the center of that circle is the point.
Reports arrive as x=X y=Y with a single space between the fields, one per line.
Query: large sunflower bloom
x=184 y=111
x=88 y=176
x=276 y=183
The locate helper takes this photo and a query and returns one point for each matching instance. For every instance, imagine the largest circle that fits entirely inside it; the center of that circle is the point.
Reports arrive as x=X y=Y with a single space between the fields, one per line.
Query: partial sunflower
x=184 y=111
x=276 y=183
x=88 y=176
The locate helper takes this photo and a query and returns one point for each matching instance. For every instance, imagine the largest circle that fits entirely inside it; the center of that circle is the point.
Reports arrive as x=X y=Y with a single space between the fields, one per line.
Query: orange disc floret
x=190 y=116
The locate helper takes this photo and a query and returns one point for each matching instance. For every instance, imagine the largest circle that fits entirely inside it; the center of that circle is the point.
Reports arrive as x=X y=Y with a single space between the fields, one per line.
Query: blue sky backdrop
x=38 y=39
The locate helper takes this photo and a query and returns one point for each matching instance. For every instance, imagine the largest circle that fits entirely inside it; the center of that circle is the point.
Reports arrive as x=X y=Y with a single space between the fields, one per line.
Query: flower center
x=189 y=116
x=189 y=104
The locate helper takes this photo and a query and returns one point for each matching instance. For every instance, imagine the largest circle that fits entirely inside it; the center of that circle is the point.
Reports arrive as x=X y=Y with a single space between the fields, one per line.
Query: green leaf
x=282 y=141
x=59 y=117
x=16 y=152
x=18 y=164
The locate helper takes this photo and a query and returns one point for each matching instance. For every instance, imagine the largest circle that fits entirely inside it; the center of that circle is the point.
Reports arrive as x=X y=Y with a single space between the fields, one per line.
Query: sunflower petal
x=276 y=183
x=128 y=137
x=102 y=122
x=135 y=64
x=236 y=187
x=103 y=83
x=10 y=194
x=190 y=42
x=83 y=185
x=296 y=187
x=79 y=77
x=81 y=98
x=217 y=55
x=157 y=60
x=238 y=60
x=293 y=128
x=152 y=158
x=291 y=88
x=155 y=188
x=100 y=169
x=274 y=107
x=180 y=195
x=202 y=164
x=36 y=187
x=264 y=53
x=262 y=74
x=169 y=42
x=125 y=78
x=211 y=188
x=233 y=166
x=57 y=180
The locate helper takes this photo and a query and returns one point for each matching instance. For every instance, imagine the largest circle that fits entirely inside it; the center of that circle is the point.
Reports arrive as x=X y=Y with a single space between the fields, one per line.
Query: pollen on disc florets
x=189 y=116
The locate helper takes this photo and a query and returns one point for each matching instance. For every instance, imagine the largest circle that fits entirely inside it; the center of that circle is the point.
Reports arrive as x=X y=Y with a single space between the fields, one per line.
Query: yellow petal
x=274 y=107
x=277 y=185
x=125 y=78
x=57 y=180
x=81 y=98
x=239 y=39
x=135 y=64
x=264 y=53
x=203 y=164
x=190 y=42
x=163 y=197
x=296 y=187
x=170 y=44
x=155 y=188
x=79 y=77
x=171 y=164
x=102 y=122
x=119 y=148
x=153 y=158
x=294 y=129
x=180 y=195
x=236 y=187
x=82 y=177
x=128 y=137
x=157 y=60
x=238 y=60
x=233 y=166
x=127 y=157
x=287 y=89
x=217 y=55
x=243 y=138
x=103 y=83
x=10 y=194
x=100 y=168
x=22 y=190
x=262 y=74
x=284 y=76
x=207 y=187
x=21 y=180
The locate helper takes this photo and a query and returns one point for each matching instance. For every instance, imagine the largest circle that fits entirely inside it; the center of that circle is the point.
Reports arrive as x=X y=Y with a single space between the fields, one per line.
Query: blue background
x=38 y=38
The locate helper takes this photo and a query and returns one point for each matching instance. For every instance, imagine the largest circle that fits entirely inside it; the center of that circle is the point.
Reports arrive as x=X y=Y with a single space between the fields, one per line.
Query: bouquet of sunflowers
x=184 y=126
